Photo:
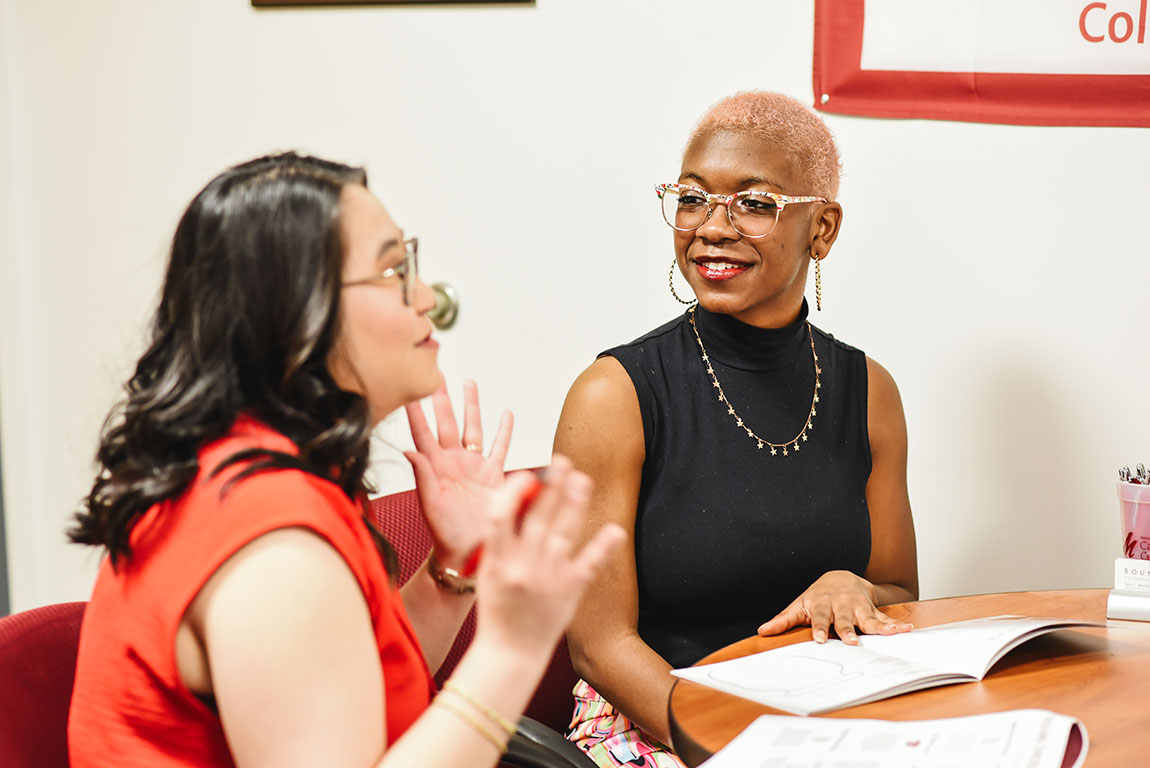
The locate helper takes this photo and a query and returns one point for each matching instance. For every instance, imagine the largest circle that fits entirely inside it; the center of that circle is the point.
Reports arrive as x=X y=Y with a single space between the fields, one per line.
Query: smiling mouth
x=718 y=270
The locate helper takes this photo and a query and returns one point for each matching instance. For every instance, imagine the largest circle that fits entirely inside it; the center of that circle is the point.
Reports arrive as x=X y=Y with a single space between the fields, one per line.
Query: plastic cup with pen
x=1134 y=501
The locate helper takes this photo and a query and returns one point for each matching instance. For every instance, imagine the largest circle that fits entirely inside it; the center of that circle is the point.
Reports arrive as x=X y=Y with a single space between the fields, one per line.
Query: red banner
x=1024 y=62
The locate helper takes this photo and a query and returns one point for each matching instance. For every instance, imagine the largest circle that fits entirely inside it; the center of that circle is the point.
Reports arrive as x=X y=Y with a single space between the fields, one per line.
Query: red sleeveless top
x=129 y=707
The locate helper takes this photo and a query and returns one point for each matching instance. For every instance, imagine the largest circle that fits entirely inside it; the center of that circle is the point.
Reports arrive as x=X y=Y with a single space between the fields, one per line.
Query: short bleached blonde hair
x=788 y=124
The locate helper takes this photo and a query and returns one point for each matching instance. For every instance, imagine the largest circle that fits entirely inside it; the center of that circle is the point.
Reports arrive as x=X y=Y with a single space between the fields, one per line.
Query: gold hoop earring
x=671 y=284
x=818 y=282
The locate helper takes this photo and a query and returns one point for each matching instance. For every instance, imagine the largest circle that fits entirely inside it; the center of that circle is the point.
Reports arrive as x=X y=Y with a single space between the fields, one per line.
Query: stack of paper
x=1030 y=738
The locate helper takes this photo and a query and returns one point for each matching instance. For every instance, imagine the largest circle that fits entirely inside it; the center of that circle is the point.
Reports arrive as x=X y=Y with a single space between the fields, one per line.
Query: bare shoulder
x=880 y=383
x=293 y=563
x=885 y=419
x=600 y=416
x=603 y=384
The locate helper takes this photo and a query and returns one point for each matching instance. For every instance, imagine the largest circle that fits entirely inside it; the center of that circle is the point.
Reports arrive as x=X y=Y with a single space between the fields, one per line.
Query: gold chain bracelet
x=474 y=722
x=452 y=687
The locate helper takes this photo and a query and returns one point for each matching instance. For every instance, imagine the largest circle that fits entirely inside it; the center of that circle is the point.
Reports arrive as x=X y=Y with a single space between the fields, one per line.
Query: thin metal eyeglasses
x=753 y=213
x=407 y=271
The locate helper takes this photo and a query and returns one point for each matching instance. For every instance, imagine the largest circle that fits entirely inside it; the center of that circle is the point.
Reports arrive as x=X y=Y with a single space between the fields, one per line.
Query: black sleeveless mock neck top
x=726 y=534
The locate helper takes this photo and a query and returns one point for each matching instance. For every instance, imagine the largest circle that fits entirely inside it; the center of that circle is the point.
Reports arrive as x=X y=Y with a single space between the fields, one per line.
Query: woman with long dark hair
x=246 y=613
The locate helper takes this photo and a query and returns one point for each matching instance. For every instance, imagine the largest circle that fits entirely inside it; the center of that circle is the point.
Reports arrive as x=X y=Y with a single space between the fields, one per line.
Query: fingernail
x=820 y=636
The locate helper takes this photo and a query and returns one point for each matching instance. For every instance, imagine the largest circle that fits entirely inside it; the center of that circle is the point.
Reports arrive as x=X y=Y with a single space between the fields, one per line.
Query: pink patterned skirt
x=612 y=740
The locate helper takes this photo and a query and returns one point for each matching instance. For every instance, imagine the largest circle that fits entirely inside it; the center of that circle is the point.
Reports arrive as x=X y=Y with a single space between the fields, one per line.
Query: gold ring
x=474 y=447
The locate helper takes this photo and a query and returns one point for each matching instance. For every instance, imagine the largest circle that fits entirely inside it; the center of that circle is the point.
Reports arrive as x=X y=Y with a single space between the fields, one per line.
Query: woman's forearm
x=632 y=677
x=455 y=732
x=435 y=614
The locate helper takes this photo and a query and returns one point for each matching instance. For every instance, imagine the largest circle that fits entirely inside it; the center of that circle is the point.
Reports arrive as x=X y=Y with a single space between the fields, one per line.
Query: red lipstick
x=718 y=271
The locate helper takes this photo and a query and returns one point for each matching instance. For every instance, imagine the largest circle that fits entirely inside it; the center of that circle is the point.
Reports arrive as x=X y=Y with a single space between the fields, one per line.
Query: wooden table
x=1101 y=676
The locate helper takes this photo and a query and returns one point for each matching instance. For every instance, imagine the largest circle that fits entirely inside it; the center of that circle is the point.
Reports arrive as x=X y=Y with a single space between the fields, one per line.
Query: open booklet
x=1034 y=738
x=808 y=678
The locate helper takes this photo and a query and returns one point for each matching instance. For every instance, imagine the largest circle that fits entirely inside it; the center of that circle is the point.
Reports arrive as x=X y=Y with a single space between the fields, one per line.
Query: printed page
x=964 y=647
x=806 y=678
x=1031 y=737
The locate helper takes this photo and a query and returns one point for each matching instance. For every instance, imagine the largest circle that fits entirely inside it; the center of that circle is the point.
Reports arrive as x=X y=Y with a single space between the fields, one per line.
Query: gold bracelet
x=467 y=717
x=452 y=687
x=449 y=578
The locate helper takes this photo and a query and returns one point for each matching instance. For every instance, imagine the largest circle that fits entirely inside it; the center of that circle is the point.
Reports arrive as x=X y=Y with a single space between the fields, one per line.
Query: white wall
x=998 y=272
x=8 y=274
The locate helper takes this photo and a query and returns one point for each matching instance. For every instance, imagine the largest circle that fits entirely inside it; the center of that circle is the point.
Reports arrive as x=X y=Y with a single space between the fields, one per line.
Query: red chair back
x=37 y=668
x=400 y=519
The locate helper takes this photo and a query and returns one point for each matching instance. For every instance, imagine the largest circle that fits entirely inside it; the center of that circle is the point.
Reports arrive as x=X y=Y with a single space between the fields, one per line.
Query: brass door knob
x=446 y=310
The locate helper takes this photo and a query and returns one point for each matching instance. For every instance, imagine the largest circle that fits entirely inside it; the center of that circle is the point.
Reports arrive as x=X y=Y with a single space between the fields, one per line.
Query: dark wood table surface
x=1099 y=675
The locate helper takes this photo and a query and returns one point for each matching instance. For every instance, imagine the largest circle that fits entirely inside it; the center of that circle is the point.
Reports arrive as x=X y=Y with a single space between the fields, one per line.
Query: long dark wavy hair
x=247 y=318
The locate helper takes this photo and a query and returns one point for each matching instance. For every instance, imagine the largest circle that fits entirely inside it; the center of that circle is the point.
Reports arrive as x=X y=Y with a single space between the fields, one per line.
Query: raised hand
x=454 y=478
x=839 y=599
x=530 y=582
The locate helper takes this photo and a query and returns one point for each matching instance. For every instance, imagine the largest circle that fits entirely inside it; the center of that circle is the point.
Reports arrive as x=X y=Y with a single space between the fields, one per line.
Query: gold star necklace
x=786 y=447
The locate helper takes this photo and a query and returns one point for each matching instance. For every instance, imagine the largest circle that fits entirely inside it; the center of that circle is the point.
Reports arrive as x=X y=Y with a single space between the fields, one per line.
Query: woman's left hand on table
x=841 y=600
x=452 y=475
